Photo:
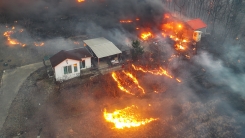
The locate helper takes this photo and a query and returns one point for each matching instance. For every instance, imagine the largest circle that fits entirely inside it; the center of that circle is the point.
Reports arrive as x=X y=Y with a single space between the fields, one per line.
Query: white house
x=68 y=64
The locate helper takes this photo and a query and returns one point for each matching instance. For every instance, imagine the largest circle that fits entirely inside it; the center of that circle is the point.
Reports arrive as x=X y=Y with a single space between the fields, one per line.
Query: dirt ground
x=16 y=56
x=75 y=109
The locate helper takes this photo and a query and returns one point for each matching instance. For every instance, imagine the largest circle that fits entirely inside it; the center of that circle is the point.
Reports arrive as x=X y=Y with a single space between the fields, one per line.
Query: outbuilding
x=198 y=28
x=102 y=48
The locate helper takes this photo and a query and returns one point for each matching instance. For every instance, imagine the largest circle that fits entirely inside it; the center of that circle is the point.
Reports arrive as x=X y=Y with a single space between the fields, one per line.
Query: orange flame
x=175 y=30
x=39 y=44
x=119 y=85
x=120 y=82
x=134 y=80
x=12 y=41
x=126 y=118
x=146 y=35
x=80 y=1
x=178 y=80
x=126 y=21
x=179 y=47
x=166 y=16
x=160 y=72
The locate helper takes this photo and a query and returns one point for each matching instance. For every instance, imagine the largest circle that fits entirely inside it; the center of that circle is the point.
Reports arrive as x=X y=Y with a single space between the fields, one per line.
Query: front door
x=82 y=64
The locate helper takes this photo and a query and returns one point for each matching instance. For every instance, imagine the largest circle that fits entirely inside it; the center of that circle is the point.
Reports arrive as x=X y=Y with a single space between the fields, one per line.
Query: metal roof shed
x=102 y=47
x=197 y=24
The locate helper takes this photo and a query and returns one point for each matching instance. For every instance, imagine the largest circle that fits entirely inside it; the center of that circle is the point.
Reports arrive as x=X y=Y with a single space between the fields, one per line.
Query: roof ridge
x=74 y=49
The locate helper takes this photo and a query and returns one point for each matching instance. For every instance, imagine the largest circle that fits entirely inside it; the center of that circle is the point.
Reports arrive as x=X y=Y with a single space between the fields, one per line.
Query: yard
x=75 y=108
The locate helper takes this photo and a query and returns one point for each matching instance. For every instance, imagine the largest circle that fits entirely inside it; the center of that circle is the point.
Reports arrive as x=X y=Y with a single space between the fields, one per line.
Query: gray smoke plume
x=204 y=104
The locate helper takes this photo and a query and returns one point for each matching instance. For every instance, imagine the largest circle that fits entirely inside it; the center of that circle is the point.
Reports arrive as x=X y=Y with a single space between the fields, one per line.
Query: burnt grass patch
x=75 y=108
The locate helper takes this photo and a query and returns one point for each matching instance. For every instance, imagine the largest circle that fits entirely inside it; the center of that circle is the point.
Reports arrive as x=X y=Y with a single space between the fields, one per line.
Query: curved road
x=12 y=79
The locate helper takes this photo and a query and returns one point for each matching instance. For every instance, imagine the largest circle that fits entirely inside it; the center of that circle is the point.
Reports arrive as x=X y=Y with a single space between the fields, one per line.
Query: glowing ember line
x=161 y=71
x=12 y=41
x=164 y=72
x=80 y=0
x=126 y=118
x=115 y=77
x=134 y=80
x=39 y=44
x=178 y=80
x=126 y=21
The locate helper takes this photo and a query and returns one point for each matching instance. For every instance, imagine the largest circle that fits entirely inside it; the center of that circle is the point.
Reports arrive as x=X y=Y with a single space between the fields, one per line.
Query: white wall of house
x=88 y=63
x=59 y=69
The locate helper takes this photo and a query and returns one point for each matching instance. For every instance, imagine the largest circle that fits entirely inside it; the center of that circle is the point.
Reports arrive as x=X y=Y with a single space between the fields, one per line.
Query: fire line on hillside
x=127 y=118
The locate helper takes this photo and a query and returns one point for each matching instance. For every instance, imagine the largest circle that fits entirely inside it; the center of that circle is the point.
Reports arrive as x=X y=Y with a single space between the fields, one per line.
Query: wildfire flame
x=146 y=35
x=121 y=83
x=80 y=1
x=176 y=30
x=126 y=21
x=166 y=16
x=160 y=72
x=39 y=44
x=12 y=41
x=178 y=80
x=134 y=80
x=120 y=86
x=126 y=118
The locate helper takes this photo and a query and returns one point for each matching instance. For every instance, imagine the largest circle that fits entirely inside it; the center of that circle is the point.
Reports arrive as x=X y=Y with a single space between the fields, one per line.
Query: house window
x=82 y=64
x=75 y=67
x=67 y=69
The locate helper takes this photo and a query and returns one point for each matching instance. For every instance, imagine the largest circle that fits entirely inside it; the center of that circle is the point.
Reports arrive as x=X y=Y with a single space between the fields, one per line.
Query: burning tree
x=137 y=50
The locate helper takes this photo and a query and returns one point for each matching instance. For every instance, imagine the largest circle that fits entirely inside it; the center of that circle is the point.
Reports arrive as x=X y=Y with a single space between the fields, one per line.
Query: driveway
x=12 y=79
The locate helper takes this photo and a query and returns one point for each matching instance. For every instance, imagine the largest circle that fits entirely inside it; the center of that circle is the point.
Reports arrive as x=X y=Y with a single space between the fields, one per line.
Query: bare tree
x=180 y=4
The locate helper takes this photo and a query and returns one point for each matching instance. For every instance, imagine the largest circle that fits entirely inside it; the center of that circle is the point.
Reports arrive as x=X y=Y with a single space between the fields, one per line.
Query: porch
x=106 y=65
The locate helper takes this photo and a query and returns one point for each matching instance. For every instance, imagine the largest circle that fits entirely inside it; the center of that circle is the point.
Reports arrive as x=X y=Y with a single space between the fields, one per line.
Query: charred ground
x=209 y=102
x=75 y=108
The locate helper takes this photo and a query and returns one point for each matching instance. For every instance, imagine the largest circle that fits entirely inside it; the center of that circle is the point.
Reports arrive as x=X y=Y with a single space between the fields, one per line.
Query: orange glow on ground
x=125 y=81
x=80 y=1
x=119 y=84
x=39 y=43
x=159 y=72
x=12 y=41
x=127 y=118
x=134 y=80
x=126 y=21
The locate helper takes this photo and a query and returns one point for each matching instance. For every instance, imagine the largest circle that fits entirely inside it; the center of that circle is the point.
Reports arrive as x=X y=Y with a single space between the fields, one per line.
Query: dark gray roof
x=75 y=54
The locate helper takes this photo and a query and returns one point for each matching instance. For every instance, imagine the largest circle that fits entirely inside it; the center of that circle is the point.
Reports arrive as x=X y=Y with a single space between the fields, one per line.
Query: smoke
x=222 y=75
x=202 y=101
x=65 y=18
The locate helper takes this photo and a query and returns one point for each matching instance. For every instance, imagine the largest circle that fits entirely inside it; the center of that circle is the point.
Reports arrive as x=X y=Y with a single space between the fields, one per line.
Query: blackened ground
x=75 y=109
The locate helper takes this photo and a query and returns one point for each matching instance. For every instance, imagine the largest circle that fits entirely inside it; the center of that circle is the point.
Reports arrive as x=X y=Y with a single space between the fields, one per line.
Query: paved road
x=12 y=79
